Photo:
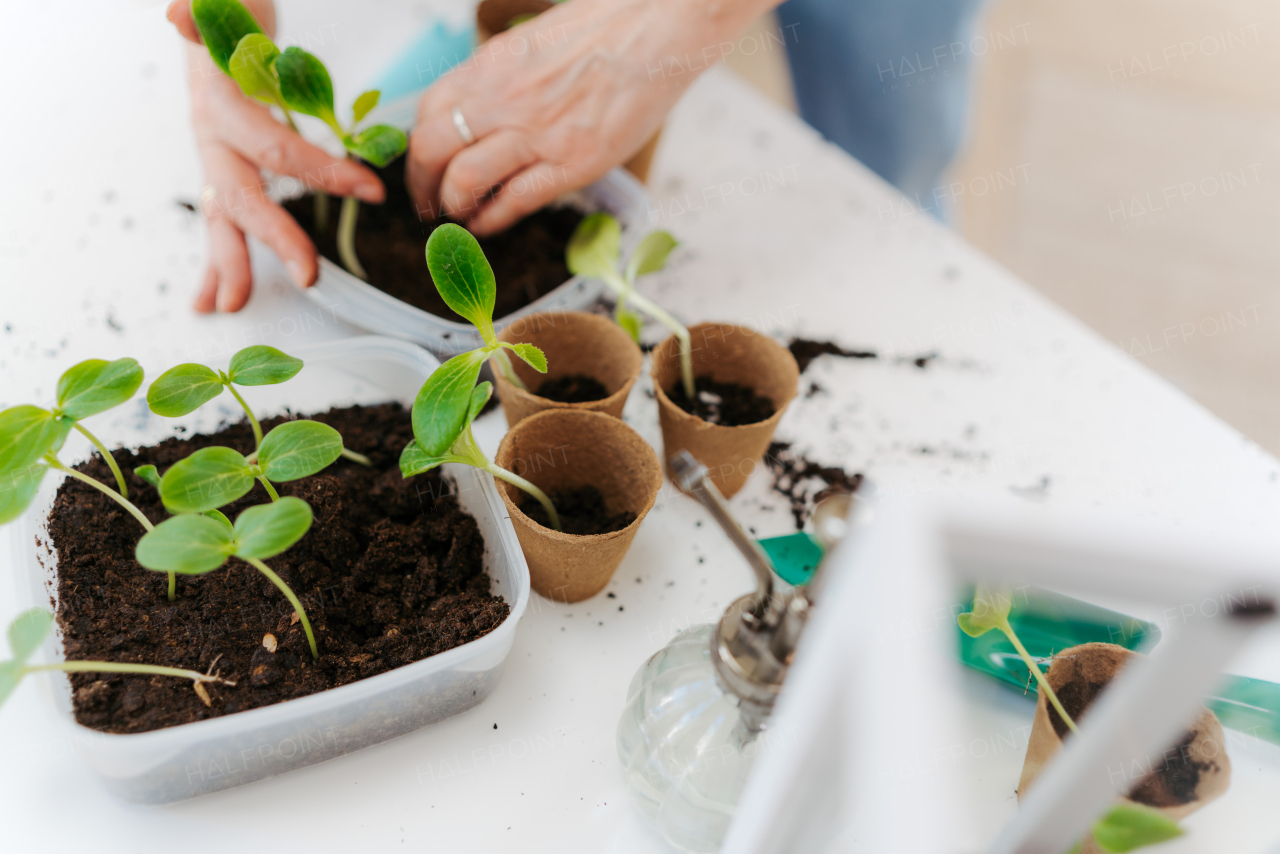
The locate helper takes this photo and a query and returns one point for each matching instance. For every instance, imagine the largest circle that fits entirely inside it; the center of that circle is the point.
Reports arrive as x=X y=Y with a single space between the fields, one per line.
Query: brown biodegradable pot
x=1178 y=782
x=562 y=449
x=726 y=353
x=574 y=342
x=494 y=17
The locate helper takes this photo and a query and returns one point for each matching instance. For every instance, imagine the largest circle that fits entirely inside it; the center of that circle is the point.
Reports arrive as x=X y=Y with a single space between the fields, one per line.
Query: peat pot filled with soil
x=592 y=364
x=1178 y=782
x=602 y=478
x=399 y=297
x=743 y=381
x=412 y=588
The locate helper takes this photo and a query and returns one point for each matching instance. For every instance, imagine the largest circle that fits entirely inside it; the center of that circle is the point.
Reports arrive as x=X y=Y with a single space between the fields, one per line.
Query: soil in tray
x=391 y=572
x=1172 y=784
x=582 y=511
x=527 y=259
x=575 y=388
x=726 y=404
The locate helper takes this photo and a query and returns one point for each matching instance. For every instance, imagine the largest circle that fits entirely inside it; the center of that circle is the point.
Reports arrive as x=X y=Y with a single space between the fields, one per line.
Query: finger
x=179 y=14
x=207 y=298
x=251 y=130
x=472 y=174
x=228 y=267
x=239 y=197
x=521 y=195
x=433 y=143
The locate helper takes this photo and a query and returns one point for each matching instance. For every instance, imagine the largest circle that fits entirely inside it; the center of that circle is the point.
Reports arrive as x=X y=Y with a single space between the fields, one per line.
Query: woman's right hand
x=237 y=137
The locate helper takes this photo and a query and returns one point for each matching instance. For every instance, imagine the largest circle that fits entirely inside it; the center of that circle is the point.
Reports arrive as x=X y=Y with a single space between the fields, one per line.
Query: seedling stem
x=253 y=421
x=520 y=483
x=347 y=237
x=293 y=600
x=106 y=455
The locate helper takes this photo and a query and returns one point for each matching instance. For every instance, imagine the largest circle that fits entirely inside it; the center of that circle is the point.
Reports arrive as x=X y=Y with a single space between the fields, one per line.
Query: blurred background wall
x=1122 y=158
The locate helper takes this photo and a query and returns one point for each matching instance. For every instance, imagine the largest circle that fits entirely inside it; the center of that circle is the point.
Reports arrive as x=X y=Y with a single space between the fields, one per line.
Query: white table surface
x=100 y=261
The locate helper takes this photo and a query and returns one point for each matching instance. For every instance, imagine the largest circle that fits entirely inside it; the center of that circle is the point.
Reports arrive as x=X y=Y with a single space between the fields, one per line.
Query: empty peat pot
x=1177 y=782
x=724 y=353
x=565 y=449
x=575 y=344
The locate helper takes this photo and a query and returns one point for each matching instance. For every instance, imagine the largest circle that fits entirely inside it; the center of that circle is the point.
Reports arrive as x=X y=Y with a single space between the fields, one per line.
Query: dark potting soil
x=805 y=351
x=1172 y=784
x=726 y=404
x=391 y=572
x=527 y=259
x=582 y=511
x=794 y=476
x=574 y=388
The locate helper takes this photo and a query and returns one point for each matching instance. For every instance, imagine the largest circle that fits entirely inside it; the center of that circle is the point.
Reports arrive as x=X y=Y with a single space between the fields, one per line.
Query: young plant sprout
x=185 y=388
x=594 y=251
x=463 y=449
x=28 y=631
x=195 y=545
x=295 y=80
x=1129 y=826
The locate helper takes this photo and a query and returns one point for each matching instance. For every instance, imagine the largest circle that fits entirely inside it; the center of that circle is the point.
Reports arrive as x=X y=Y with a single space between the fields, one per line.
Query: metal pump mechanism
x=756 y=638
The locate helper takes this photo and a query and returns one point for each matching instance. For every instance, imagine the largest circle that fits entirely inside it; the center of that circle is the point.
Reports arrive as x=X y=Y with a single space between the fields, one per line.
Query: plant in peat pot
x=296 y=81
x=29 y=629
x=1134 y=822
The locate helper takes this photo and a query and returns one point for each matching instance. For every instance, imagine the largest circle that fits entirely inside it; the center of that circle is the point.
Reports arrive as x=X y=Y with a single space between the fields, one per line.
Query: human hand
x=556 y=102
x=236 y=138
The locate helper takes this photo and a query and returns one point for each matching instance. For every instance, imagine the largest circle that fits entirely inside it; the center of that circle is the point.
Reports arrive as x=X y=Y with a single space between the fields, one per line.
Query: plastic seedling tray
x=194 y=759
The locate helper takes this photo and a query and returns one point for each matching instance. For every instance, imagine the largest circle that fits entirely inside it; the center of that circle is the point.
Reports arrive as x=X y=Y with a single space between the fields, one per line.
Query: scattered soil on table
x=527 y=259
x=582 y=511
x=1172 y=784
x=726 y=404
x=574 y=388
x=794 y=478
x=391 y=572
x=805 y=351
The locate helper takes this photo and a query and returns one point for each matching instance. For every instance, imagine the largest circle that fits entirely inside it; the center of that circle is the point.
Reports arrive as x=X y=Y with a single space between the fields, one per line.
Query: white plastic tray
x=193 y=759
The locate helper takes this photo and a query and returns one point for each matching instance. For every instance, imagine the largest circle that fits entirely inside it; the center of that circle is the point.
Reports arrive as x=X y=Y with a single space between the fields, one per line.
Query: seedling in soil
x=594 y=250
x=29 y=629
x=296 y=81
x=185 y=388
x=195 y=545
x=1126 y=826
x=463 y=449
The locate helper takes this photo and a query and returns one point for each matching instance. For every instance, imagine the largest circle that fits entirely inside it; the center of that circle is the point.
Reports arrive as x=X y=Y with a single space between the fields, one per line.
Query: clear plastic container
x=193 y=759
x=362 y=304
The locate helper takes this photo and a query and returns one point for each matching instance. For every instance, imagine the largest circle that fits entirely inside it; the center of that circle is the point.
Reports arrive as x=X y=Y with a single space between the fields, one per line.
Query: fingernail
x=296 y=272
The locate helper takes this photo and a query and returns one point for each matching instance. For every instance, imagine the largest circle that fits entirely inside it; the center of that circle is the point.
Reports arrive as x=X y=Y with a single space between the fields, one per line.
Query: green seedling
x=595 y=251
x=196 y=545
x=298 y=82
x=1129 y=826
x=29 y=629
x=27 y=433
x=463 y=449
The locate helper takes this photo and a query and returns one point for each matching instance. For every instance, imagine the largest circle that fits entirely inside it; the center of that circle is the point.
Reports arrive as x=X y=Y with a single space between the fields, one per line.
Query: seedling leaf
x=651 y=255
x=463 y=276
x=298 y=449
x=183 y=389
x=479 y=397
x=10 y=676
x=414 y=460
x=379 y=144
x=534 y=357
x=250 y=66
x=150 y=474
x=189 y=544
x=206 y=480
x=266 y=530
x=440 y=409
x=630 y=323
x=222 y=24
x=262 y=365
x=990 y=610
x=219 y=517
x=28 y=631
x=364 y=104
x=18 y=489
x=97 y=385
x=27 y=433
x=1128 y=826
x=593 y=249
x=305 y=85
